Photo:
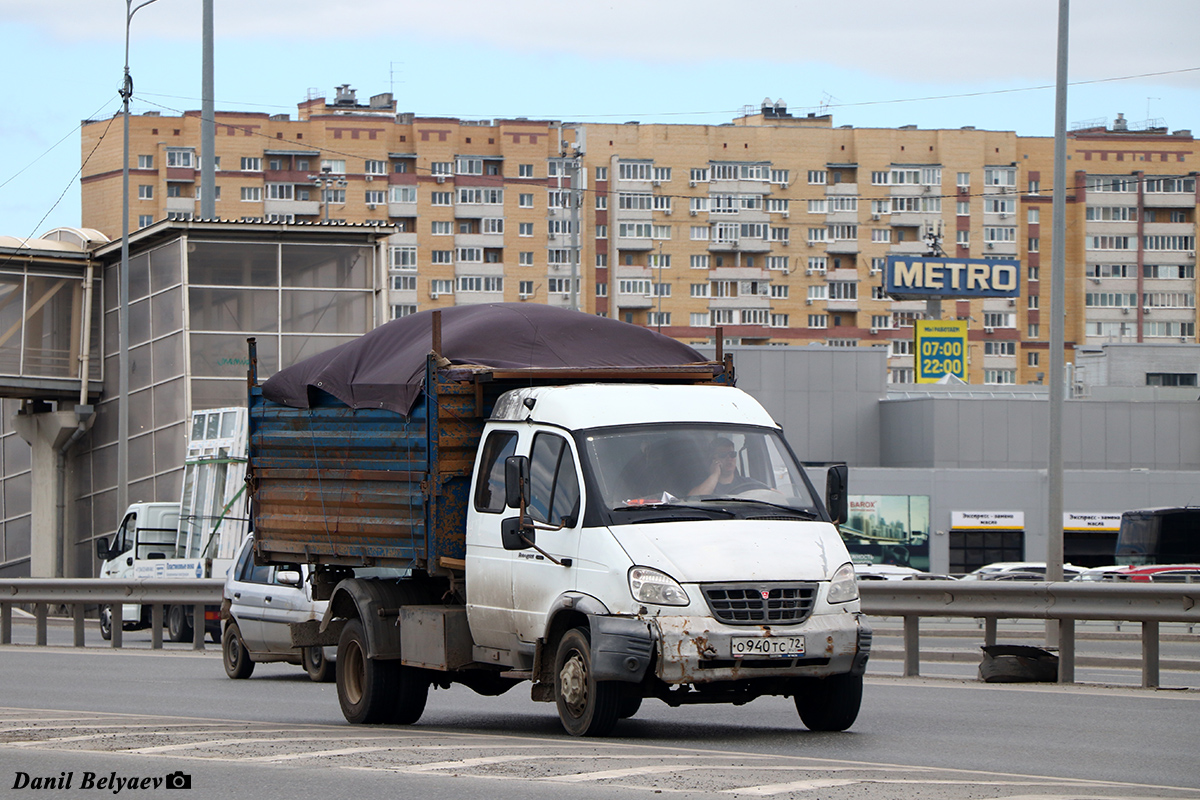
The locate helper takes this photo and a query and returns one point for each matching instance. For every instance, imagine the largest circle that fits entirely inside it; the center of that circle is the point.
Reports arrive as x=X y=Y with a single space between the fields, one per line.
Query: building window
x=817 y=177
x=146 y=192
x=1034 y=244
x=525 y=259
x=441 y=228
x=373 y=167
x=442 y=168
x=1034 y=330
x=658 y=318
x=963 y=180
x=252 y=194
x=1170 y=378
x=375 y=197
x=963 y=208
x=818 y=321
x=525 y=201
x=145 y=162
x=251 y=164
x=1008 y=348
x=1032 y=359
x=404 y=283
x=335 y=166
x=1000 y=376
x=179 y=158
x=403 y=310
x=174 y=190
x=145 y=220
x=1034 y=301
x=962 y=238
x=525 y=288
x=699 y=319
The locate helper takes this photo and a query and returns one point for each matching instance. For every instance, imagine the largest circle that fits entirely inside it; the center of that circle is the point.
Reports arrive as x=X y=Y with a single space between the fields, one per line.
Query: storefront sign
x=1001 y=520
x=1083 y=521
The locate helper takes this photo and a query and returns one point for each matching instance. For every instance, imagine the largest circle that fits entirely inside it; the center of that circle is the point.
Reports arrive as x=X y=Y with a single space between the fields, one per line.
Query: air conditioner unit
x=808 y=272
x=989 y=330
x=441 y=178
x=369 y=179
x=875 y=218
x=783 y=185
x=692 y=184
x=787 y=214
x=434 y=295
x=1012 y=301
x=692 y=212
x=370 y=206
x=991 y=246
x=667 y=211
x=656 y=183
x=926 y=189
x=808 y=301
x=783 y=242
x=874 y=331
x=1191 y=254
x=1124 y=310
x=1003 y=215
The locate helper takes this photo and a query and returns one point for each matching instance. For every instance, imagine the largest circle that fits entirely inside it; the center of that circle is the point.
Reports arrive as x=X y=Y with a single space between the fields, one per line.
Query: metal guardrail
x=1148 y=604
x=1066 y=602
x=81 y=592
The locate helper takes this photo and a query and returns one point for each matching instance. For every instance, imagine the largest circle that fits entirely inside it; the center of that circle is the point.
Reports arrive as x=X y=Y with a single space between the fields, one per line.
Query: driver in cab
x=723 y=478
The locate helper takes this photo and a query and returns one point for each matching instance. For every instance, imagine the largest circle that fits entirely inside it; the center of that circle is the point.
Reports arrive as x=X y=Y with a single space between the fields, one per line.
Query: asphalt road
x=145 y=714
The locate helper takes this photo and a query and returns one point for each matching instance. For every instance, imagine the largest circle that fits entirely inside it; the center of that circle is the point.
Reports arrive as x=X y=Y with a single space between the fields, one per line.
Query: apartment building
x=774 y=228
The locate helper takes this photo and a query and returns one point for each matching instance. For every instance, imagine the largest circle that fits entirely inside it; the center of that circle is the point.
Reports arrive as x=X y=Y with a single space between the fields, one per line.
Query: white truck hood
x=735 y=550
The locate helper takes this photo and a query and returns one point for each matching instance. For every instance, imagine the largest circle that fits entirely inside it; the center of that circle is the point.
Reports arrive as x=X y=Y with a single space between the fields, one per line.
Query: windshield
x=712 y=469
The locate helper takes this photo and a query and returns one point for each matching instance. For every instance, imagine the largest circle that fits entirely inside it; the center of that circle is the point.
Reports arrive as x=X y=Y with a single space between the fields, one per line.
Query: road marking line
x=168 y=748
x=467 y=763
x=794 y=786
x=346 y=751
x=581 y=777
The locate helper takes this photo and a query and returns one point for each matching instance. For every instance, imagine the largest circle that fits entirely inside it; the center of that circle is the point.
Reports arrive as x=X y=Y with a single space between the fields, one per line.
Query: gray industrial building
x=942 y=477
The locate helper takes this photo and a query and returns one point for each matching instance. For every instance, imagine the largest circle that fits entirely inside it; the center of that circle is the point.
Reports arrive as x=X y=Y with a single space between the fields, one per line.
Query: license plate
x=767 y=646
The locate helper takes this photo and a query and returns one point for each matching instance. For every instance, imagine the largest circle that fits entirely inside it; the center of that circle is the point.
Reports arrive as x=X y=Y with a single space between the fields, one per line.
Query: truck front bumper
x=695 y=650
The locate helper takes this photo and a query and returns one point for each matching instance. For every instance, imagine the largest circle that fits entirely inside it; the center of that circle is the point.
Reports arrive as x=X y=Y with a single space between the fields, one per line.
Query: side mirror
x=516 y=480
x=102 y=548
x=513 y=537
x=837 y=502
x=288 y=577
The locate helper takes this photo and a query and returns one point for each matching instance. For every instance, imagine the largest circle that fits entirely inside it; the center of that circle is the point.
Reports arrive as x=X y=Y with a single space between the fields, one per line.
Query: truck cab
x=147 y=533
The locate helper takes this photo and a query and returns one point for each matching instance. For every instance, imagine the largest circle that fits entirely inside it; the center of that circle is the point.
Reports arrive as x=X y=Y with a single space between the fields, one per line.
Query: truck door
x=554 y=500
x=489 y=565
x=119 y=564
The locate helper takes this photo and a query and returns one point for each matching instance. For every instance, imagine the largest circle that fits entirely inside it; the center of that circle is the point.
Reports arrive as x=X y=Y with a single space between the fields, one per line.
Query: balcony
x=1168 y=200
x=300 y=208
x=478 y=210
x=487 y=240
x=842 y=247
x=402 y=209
x=186 y=205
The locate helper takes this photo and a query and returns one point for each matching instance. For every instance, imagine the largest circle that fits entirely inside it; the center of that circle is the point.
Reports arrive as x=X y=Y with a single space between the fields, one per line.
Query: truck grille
x=744 y=604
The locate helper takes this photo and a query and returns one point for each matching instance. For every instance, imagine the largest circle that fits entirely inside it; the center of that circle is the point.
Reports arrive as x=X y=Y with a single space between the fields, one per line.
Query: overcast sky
x=933 y=63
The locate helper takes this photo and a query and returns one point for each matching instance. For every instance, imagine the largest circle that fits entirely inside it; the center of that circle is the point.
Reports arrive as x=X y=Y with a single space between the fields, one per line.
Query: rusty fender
x=699 y=649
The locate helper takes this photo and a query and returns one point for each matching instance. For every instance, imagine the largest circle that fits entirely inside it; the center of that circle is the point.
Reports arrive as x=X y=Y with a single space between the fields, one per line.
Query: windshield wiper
x=673 y=506
x=803 y=513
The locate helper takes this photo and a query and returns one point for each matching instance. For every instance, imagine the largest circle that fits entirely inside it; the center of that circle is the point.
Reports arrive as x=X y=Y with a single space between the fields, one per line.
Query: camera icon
x=179 y=780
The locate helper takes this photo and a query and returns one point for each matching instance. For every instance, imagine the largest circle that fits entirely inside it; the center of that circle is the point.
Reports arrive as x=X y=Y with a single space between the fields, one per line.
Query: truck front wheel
x=179 y=626
x=106 y=623
x=829 y=704
x=587 y=707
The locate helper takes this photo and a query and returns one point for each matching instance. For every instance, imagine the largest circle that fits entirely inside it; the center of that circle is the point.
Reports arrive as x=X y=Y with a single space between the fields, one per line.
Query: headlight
x=843 y=588
x=651 y=586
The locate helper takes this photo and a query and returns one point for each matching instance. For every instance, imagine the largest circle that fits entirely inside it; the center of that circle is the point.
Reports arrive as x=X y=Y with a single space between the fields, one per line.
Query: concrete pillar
x=46 y=432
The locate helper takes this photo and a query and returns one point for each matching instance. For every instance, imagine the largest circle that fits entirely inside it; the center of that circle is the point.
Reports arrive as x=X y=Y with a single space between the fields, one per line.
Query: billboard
x=888 y=529
x=921 y=277
x=941 y=350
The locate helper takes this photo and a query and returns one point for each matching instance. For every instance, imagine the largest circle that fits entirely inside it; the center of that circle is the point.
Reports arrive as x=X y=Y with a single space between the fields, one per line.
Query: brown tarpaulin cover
x=386 y=367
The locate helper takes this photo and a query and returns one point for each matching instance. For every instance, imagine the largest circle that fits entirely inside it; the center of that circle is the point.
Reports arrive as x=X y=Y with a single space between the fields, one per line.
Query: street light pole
x=123 y=337
x=323 y=181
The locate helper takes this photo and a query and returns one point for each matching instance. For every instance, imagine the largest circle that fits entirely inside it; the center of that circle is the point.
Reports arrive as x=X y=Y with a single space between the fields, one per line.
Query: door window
x=123 y=540
x=554 y=487
x=489 y=486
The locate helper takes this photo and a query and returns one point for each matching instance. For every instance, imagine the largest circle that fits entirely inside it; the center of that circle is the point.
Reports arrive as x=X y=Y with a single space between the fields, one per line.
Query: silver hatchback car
x=260 y=604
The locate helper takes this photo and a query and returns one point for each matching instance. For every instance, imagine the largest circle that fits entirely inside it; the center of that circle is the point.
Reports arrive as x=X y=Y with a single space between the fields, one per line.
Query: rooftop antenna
x=392 y=76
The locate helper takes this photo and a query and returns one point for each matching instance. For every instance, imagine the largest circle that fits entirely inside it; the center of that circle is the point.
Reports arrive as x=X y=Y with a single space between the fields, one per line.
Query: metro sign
x=920 y=277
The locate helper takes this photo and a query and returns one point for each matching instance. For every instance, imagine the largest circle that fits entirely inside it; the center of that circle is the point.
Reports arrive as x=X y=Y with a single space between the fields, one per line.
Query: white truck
x=612 y=522
x=196 y=537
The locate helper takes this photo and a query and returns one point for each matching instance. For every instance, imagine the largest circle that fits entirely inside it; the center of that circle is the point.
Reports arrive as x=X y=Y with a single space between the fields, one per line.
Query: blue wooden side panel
x=337 y=485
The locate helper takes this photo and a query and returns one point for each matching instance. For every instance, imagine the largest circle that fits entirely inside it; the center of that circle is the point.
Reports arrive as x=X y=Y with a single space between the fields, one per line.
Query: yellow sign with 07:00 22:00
x=940 y=349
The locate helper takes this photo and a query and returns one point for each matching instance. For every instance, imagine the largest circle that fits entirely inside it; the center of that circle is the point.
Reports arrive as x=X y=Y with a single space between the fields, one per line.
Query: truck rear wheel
x=586 y=707
x=179 y=624
x=366 y=686
x=829 y=704
x=106 y=622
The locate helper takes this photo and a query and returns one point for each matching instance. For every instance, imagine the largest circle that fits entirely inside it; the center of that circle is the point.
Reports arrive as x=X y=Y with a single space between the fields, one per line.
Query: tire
x=233 y=652
x=106 y=623
x=630 y=702
x=367 y=688
x=586 y=707
x=317 y=666
x=829 y=704
x=179 y=627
